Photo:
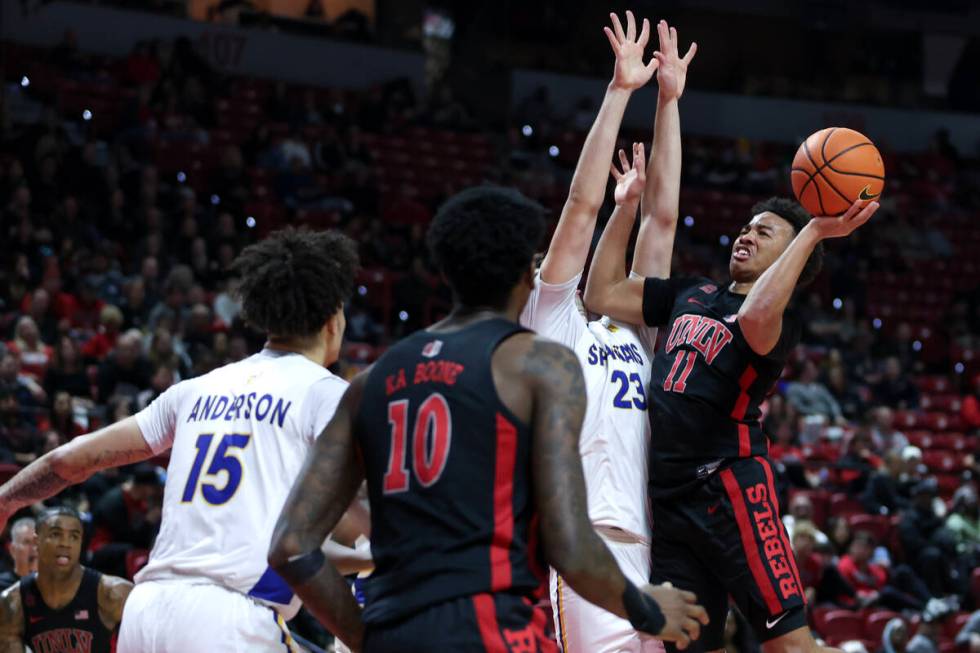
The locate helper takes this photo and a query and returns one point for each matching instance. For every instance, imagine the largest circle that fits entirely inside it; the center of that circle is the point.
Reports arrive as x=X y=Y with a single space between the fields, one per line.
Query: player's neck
x=740 y=287
x=58 y=587
x=316 y=353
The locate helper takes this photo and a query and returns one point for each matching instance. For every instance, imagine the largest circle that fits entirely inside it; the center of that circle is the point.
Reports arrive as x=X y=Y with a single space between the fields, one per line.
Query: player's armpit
x=11 y=621
x=113 y=592
x=322 y=492
x=570 y=543
x=118 y=444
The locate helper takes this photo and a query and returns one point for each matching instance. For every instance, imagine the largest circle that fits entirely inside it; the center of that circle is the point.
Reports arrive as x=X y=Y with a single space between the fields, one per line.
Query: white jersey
x=616 y=364
x=238 y=438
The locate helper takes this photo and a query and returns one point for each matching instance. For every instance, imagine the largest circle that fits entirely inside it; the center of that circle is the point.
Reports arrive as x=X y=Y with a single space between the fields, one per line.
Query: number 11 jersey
x=238 y=437
x=707 y=384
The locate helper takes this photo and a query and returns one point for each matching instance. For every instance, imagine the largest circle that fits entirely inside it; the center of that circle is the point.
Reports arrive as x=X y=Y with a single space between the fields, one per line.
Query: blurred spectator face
x=758 y=246
x=135 y=292
x=40 y=302
x=200 y=319
x=840 y=533
x=803 y=544
x=59 y=543
x=61 y=404
x=162 y=379
x=836 y=378
x=9 y=367
x=111 y=318
x=801 y=507
x=809 y=373
x=861 y=549
x=27 y=331
x=893 y=368
x=23 y=547
x=127 y=350
x=8 y=403
x=884 y=419
x=163 y=344
x=150 y=269
x=66 y=354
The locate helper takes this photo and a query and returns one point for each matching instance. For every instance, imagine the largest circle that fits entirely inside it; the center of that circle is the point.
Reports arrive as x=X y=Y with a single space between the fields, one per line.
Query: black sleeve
x=789 y=337
x=659 y=296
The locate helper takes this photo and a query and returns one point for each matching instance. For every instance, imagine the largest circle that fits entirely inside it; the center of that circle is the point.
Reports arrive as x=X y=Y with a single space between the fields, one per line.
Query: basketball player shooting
x=468 y=435
x=237 y=438
x=615 y=357
x=713 y=501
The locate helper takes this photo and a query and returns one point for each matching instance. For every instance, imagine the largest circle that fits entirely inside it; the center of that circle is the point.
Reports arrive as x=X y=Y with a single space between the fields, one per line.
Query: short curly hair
x=294 y=280
x=482 y=240
x=797 y=216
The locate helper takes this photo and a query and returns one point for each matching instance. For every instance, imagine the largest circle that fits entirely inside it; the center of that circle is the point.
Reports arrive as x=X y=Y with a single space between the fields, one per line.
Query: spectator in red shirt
x=33 y=354
x=900 y=590
x=822 y=582
x=970 y=408
x=104 y=341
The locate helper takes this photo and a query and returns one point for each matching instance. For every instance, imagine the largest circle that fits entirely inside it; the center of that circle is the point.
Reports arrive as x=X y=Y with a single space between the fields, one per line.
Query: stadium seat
x=975 y=585
x=136 y=559
x=843 y=505
x=842 y=625
x=875 y=622
x=953 y=625
x=879 y=526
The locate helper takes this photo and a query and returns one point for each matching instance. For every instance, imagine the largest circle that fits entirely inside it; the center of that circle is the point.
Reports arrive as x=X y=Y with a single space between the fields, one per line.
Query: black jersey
x=448 y=474
x=75 y=628
x=707 y=384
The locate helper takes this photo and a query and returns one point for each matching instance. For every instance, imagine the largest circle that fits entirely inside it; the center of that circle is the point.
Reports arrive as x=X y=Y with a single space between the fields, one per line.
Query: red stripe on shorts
x=503 y=505
x=741 y=406
x=486 y=619
x=749 y=544
x=782 y=530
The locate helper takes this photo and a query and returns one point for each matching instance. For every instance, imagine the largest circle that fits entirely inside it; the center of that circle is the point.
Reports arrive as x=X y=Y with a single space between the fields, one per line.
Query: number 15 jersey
x=238 y=437
x=707 y=383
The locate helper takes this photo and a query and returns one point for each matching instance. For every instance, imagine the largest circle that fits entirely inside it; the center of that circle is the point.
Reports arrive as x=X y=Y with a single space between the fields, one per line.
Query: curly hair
x=797 y=216
x=482 y=240
x=294 y=280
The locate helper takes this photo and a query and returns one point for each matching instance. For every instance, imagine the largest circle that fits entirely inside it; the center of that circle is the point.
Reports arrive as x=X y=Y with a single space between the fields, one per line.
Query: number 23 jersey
x=707 y=384
x=238 y=437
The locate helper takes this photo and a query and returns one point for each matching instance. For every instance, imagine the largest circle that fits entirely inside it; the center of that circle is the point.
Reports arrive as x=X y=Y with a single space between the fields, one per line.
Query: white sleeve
x=647 y=335
x=551 y=311
x=158 y=421
x=320 y=404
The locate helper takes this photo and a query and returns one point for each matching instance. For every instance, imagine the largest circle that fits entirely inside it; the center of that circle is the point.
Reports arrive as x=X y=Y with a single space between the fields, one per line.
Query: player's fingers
x=644 y=34
x=617 y=175
x=691 y=51
x=689 y=597
x=612 y=40
x=653 y=66
x=673 y=37
x=623 y=161
x=639 y=158
x=692 y=628
x=617 y=27
x=682 y=641
x=663 y=34
x=630 y=26
x=698 y=612
x=852 y=211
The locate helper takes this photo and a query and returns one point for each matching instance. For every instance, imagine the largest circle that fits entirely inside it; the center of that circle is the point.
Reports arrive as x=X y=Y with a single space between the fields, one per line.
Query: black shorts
x=483 y=623
x=725 y=539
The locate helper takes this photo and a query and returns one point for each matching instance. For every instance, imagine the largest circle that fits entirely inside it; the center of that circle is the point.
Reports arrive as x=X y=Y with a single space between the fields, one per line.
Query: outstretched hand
x=630 y=72
x=683 y=614
x=632 y=178
x=844 y=225
x=672 y=69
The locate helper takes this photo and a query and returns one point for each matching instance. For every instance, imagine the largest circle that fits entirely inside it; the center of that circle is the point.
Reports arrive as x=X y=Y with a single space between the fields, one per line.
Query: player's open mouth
x=62 y=561
x=741 y=253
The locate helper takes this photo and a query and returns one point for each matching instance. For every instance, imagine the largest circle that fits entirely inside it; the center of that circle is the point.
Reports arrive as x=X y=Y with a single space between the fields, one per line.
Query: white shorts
x=585 y=628
x=185 y=617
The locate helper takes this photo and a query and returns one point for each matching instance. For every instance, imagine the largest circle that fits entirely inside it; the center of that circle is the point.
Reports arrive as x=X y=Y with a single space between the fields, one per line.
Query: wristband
x=643 y=612
x=301 y=568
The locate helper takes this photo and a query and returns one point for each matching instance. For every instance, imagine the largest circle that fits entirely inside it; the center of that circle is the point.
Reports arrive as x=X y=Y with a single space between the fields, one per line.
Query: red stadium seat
x=875 y=622
x=879 y=526
x=136 y=559
x=842 y=505
x=975 y=585
x=955 y=624
x=906 y=419
x=921 y=439
x=842 y=625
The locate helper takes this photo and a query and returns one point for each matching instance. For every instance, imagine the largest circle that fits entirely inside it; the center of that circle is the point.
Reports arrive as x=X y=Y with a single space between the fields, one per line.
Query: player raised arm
x=661 y=195
x=121 y=443
x=554 y=378
x=319 y=498
x=761 y=315
x=570 y=244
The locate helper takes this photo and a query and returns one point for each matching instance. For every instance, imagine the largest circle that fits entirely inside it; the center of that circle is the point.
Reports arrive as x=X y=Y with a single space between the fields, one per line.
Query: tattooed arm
x=325 y=487
x=113 y=592
x=11 y=621
x=119 y=444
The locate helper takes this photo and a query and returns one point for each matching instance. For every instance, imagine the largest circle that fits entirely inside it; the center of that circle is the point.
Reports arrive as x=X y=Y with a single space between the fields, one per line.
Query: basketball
x=833 y=168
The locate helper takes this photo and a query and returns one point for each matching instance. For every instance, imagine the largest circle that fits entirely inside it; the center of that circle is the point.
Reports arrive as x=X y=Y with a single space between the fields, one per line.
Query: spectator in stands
x=18 y=432
x=970 y=408
x=839 y=532
x=930 y=631
x=896 y=388
x=964 y=523
x=66 y=372
x=136 y=304
x=801 y=511
x=810 y=397
x=104 y=341
x=22 y=549
x=930 y=547
x=847 y=397
x=62 y=418
x=883 y=432
x=127 y=517
x=885 y=493
x=41 y=311
x=896 y=589
x=968 y=639
x=822 y=582
x=33 y=354
x=126 y=370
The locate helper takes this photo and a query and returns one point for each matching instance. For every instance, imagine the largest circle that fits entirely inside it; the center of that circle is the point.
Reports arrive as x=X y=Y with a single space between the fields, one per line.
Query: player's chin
x=740 y=271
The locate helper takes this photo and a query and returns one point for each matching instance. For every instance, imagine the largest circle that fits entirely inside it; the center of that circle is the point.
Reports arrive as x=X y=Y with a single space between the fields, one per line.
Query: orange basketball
x=834 y=167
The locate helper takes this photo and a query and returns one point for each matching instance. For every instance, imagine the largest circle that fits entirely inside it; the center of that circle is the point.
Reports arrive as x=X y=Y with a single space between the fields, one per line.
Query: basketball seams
x=806 y=149
x=824 y=137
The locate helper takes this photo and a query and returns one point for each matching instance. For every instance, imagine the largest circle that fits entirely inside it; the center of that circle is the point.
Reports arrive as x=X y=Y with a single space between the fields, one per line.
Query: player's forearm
x=328 y=597
x=589 y=181
x=606 y=291
x=591 y=571
x=347 y=560
x=661 y=195
x=36 y=482
x=11 y=645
